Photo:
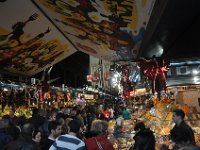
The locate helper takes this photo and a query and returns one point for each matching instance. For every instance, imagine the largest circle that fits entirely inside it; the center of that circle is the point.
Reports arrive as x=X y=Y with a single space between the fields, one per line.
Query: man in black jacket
x=181 y=134
x=144 y=138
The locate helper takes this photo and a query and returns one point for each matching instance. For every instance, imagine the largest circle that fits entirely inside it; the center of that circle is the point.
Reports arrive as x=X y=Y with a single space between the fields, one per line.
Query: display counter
x=159 y=120
x=122 y=139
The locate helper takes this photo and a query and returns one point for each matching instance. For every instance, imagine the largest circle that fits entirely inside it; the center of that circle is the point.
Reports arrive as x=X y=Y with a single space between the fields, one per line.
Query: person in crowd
x=100 y=114
x=61 y=121
x=70 y=140
x=5 y=137
x=73 y=112
x=91 y=116
x=119 y=122
x=62 y=110
x=67 y=112
x=55 y=130
x=111 y=111
x=107 y=113
x=126 y=114
x=66 y=126
x=36 y=119
x=14 y=131
x=61 y=113
x=21 y=121
x=84 y=116
x=144 y=138
x=100 y=141
x=12 y=117
x=24 y=140
x=79 y=117
x=36 y=137
x=190 y=148
x=181 y=132
x=51 y=116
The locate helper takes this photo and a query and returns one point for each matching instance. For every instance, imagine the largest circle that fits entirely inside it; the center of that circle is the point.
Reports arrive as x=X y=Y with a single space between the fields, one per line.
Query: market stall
x=158 y=119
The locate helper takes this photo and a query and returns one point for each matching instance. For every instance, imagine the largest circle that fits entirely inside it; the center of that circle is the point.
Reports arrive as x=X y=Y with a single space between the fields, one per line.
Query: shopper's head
x=179 y=112
x=55 y=128
x=178 y=116
x=99 y=127
x=35 y=111
x=12 y=112
x=74 y=125
x=27 y=129
x=139 y=126
x=4 y=123
x=36 y=136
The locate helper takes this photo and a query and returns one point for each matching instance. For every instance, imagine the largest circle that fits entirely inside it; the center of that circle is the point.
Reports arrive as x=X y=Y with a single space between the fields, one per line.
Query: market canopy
x=173 y=30
x=36 y=34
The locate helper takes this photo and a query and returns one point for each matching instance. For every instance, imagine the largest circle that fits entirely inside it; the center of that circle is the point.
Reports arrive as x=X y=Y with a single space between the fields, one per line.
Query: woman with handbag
x=100 y=141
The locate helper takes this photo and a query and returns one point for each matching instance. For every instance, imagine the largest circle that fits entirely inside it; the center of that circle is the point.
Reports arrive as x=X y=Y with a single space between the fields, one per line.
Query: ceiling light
x=195 y=72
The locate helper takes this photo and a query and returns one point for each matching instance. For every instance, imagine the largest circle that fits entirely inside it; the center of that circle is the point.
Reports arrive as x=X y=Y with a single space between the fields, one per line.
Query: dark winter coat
x=182 y=134
x=4 y=138
x=144 y=140
x=24 y=142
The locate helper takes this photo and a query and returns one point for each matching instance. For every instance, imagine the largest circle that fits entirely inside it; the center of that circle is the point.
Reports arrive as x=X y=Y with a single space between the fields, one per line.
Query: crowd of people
x=75 y=128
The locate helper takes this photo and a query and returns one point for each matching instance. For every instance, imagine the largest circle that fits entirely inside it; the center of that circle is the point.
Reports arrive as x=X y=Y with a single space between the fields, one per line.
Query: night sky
x=72 y=71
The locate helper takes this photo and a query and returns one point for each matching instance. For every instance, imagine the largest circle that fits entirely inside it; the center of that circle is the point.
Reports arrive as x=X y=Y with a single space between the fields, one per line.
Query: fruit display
x=122 y=140
x=122 y=143
x=127 y=126
x=23 y=111
x=111 y=126
x=159 y=120
x=20 y=111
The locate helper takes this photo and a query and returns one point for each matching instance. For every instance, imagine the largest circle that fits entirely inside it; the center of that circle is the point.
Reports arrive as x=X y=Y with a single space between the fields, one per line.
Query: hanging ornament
x=155 y=73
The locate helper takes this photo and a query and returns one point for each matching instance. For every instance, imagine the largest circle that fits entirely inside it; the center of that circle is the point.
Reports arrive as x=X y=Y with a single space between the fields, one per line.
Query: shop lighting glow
x=5 y=89
x=195 y=79
x=195 y=72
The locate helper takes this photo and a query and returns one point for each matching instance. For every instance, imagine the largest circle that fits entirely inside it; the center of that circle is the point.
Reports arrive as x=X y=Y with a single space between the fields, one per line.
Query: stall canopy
x=173 y=30
x=36 y=34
